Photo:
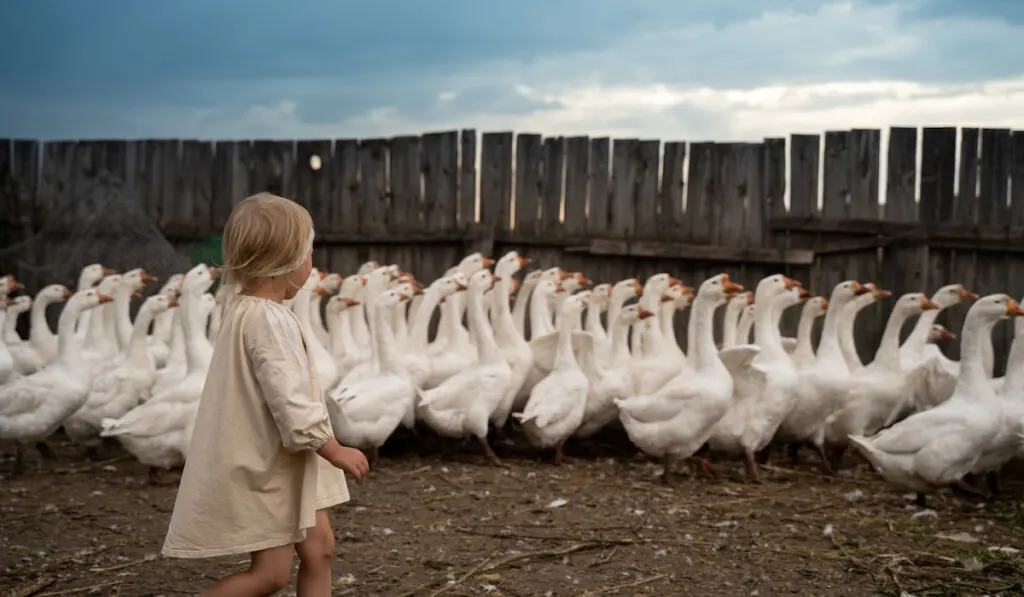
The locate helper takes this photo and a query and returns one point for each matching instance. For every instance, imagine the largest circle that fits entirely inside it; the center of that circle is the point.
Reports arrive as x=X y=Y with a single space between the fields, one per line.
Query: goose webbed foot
x=491 y=456
x=161 y=477
x=702 y=464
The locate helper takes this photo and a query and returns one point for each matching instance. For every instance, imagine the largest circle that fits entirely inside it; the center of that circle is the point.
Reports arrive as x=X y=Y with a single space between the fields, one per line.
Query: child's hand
x=351 y=461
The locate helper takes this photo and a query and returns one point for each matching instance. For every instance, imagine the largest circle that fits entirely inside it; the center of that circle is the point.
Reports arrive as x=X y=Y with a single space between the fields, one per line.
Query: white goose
x=34 y=407
x=15 y=307
x=763 y=387
x=41 y=348
x=556 y=405
x=8 y=372
x=159 y=341
x=510 y=341
x=462 y=405
x=937 y=447
x=100 y=340
x=88 y=278
x=121 y=388
x=676 y=420
x=366 y=413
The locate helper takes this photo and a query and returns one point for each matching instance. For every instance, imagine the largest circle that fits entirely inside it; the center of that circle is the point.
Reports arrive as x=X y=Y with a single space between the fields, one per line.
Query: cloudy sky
x=670 y=69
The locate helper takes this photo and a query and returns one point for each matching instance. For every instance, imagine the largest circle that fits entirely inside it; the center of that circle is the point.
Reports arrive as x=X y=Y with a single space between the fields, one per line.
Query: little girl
x=263 y=464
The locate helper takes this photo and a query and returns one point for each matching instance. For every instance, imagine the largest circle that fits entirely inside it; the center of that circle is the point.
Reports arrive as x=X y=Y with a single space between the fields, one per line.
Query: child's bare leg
x=269 y=572
x=315 y=555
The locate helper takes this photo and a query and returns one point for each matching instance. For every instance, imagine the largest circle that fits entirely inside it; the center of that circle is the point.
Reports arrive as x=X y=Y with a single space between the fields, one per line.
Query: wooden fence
x=612 y=208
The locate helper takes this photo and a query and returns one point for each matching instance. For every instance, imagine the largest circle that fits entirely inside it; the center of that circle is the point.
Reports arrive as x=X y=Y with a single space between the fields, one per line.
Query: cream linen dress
x=252 y=479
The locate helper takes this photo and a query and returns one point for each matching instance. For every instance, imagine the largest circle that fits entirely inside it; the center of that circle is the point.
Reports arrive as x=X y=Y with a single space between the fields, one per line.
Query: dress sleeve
x=274 y=347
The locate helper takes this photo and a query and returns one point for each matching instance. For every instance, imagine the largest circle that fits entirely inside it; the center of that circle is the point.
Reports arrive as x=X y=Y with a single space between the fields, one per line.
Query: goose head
x=952 y=294
x=510 y=263
x=658 y=283
x=89 y=298
x=18 y=305
x=339 y=303
x=623 y=290
x=574 y=305
x=109 y=284
x=530 y=280
x=846 y=290
x=368 y=267
x=938 y=332
x=159 y=303
x=391 y=298
x=876 y=292
x=555 y=274
x=54 y=293
x=378 y=280
x=913 y=303
x=994 y=307
x=630 y=314
x=353 y=286
x=199 y=279
x=8 y=284
x=331 y=282
x=600 y=296
x=91 y=274
x=173 y=285
x=449 y=285
x=719 y=289
x=816 y=306
x=473 y=263
x=789 y=297
x=482 y=281
x=137 y=279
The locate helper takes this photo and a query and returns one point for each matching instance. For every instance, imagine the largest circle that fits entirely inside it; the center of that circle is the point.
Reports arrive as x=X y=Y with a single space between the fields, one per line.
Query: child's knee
x=272 y=579
x=318 y=549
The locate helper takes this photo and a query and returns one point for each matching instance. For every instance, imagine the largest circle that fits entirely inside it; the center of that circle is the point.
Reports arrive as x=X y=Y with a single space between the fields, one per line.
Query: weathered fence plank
x=646 y=204
x=467 y=191
x=836 y=188
x=496 y=181
x=373 y=186
x=938 y=165
x=966 y=204
x=407 y=163
x=529 y=180
x=312 y=185
x=345 y=196
x=670 y=198
x=1017 y=178
x=905 y=268
x=577 y=185
x=440 y=181
x=699 y=186
x=993 y=269
x=599 y=197
x=624 y=175
x=803 y=167
x=553 y=172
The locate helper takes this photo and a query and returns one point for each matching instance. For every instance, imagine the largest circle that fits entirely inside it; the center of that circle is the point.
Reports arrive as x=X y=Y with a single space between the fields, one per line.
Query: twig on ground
x=89 y=467
x=629 y=585
x=465 y=576
x=42 y=512
x=417 y=471
x=30 y=588
x=73 y=590
x=148 y=558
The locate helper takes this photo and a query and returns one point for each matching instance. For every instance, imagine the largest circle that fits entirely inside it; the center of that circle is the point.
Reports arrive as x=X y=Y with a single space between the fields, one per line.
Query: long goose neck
x=482 y=333
x=162 y=325
x=67 y=347
x=615 y=303
x=540 y=317
x=419 y=335
x=399 y=323
x=620 y=341
x=729 y=324
x=1013 y=385
x=888 y=353
x=766 y=327
x=196 y=358
x=564 y=357
x=121 y=314
x=972 y=366
x=11 y=326
x=385 y=349
x=39 y=334
x=593 y=320
x=357 y=319
x=703 y=351
x=804 y=330
x=335 y=321
x=137 y=350
x=917 y=339
x=743 y=327
x=97 y=321
x=828 y=344
x=667 y=321
x=522 y=300
x=501 y=312
x=176 y=352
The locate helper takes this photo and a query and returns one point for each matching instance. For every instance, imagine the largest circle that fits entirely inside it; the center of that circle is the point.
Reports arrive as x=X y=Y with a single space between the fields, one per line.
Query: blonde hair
x=265 y=236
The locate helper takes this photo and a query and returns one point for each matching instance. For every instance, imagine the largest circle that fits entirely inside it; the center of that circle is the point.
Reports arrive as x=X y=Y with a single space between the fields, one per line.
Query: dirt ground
x=600 y=525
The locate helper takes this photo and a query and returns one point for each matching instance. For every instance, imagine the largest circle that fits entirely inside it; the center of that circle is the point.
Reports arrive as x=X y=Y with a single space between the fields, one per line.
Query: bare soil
x=424 y=524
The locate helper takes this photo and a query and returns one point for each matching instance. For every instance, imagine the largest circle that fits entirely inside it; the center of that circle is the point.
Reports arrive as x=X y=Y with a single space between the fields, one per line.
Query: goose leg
x=764 y=455
x=666 y=473
x=374 y=457
x=46 y=451
x=824 y=458
x=705 y=467
x=793 y=451
x=993 y=483
x=836 y=457
x=490 y=453
x=753 y=473
x=19 y=459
